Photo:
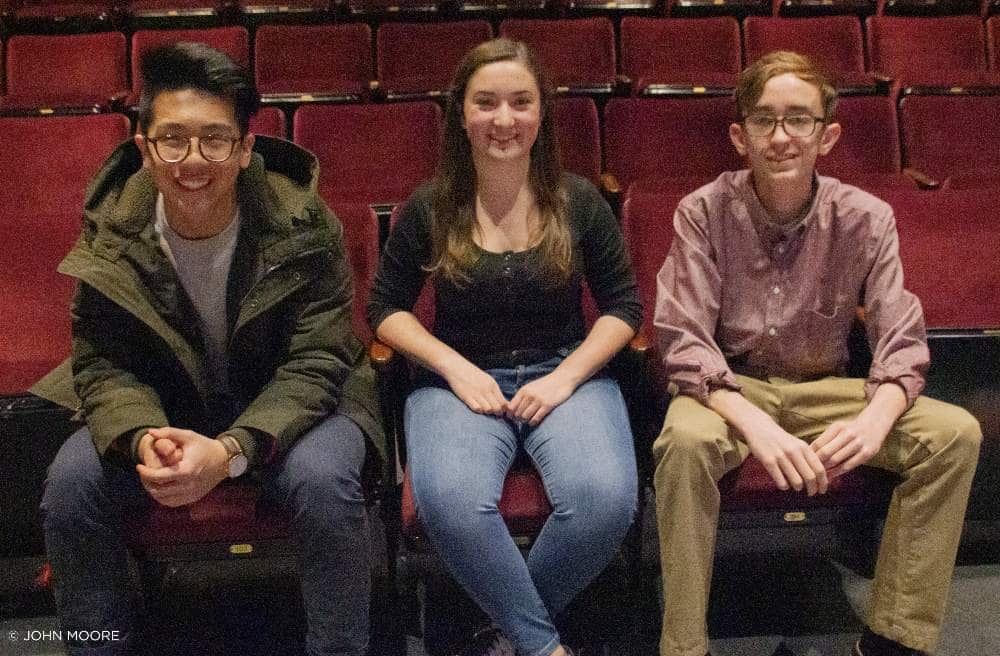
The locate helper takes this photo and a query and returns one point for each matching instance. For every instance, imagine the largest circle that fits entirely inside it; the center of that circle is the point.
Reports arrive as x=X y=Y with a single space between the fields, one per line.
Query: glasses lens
x=801 y=125
x=172 y=149
x=217 y=149
x=760 y=125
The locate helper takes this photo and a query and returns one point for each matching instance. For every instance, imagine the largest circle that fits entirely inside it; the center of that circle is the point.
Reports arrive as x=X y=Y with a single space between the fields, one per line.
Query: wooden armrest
x=380 y=353
x=639 y=343
x=923 y=180
x=610 y=184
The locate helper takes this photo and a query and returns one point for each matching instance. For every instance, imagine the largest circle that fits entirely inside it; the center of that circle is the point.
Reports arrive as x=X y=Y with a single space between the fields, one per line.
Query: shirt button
x=772 y=331
x=776 y=290
x=781 y=249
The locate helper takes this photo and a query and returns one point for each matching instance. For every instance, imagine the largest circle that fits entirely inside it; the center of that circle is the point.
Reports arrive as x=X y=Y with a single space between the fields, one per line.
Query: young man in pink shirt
x=754 y=305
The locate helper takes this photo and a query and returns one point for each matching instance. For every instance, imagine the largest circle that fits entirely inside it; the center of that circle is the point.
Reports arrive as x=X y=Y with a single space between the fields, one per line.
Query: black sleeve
x=401 y=272
x=606 y=262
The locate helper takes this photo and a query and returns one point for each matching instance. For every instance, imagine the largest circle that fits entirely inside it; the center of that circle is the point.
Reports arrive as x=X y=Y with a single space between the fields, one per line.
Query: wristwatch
x=237 y=463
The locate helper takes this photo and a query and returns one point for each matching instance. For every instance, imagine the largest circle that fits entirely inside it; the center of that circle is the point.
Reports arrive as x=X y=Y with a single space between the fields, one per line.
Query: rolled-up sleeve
x=688 y=297
x=894 y=321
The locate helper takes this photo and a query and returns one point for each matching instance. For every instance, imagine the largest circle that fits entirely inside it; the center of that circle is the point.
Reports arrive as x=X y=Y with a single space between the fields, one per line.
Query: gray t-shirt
x=203 y=268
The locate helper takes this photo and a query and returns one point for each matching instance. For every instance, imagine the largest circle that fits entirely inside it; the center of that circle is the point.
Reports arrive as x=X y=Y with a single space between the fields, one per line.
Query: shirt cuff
x=912 y=384
x=702 y=386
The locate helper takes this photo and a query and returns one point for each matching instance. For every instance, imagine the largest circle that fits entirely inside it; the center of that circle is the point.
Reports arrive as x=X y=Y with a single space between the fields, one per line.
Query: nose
x=779 y=134
x=503 y=117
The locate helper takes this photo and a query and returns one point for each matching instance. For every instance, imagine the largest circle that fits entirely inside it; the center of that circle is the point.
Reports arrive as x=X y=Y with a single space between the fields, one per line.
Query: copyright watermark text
x=50 y=635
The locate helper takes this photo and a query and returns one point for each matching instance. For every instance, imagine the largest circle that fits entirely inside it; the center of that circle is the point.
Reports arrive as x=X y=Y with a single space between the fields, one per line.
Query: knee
x=967 y=435
x=73 y=482
x=325 y=465
x=606 y=501
x=683 y=441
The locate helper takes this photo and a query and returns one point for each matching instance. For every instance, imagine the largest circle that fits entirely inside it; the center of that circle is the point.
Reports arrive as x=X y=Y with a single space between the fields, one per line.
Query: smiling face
x=502 y=112
x=779 y=161
x=199 y=195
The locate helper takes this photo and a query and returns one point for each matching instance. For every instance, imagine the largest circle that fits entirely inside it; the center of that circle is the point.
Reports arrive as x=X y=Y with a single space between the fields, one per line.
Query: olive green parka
x=137 y=358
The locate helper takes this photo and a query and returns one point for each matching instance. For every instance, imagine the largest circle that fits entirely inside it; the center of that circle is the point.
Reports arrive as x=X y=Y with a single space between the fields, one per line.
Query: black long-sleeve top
x=509 y=307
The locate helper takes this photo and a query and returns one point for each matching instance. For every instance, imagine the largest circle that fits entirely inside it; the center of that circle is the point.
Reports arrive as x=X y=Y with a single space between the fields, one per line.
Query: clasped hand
x=531 y=404
x=180 y=466
x=793 y=463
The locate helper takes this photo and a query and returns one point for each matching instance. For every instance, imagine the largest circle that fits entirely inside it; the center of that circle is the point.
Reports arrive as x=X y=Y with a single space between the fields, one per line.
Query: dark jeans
x=318 y=482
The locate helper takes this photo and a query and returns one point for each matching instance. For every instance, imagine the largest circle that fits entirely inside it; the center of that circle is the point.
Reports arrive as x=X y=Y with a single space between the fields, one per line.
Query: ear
x=143 y=145
x=246 y=150
x=831 y=133
x=739 y=139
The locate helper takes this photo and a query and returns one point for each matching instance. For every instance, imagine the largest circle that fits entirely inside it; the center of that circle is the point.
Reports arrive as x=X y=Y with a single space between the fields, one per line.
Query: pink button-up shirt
x=740 y=293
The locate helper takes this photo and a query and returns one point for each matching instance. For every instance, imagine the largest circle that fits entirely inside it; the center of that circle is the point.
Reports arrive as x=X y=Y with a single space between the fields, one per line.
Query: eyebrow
x=791 y=108
x=180 y=127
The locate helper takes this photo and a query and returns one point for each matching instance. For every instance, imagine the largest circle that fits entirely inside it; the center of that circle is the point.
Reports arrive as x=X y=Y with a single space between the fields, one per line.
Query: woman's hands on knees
x=476 y=389
x=535 y=401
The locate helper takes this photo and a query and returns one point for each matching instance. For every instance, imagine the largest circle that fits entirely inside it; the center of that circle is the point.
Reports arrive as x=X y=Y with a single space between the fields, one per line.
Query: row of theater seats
x=658 y=149
x=335 y=62
x=42 y=14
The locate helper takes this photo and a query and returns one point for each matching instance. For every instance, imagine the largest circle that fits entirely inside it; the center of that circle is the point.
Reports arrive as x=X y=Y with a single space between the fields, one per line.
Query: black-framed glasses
x=213 y=148
x=794 y=125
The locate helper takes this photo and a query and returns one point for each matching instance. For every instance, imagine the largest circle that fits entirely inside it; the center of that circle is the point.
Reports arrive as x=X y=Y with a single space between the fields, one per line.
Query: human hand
x=846 y=444
x=477 y=389
x=184 y=470
x=790 y=461
x=535 y=401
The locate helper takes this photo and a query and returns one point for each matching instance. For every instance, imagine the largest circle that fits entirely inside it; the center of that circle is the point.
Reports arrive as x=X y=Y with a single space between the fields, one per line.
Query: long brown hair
x=453 y=220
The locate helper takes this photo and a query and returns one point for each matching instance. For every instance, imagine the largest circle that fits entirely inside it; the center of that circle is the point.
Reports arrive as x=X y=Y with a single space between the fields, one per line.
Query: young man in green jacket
x=211 y=338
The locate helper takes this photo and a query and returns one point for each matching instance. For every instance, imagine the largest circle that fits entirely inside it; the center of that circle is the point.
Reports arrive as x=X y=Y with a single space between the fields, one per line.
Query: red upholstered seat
x=952 y=135
x=41 y=204
x=419 y=59
x=993 y=42
x=270 y=121
x=68 y=71
x=524 y=505
x=370 y=153
x=558 y=43
x=675 y=143
x=948 y=51
x=578 y=130
x=663 y=54
x=313 y=62
x=948 y=241
x=64 y=10
x=833 y=42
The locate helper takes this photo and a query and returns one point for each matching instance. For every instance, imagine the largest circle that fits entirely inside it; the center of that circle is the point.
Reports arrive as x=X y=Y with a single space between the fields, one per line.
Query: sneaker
x=488 y=642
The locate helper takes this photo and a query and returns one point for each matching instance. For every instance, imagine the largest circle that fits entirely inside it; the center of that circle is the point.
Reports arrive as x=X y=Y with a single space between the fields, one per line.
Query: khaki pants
x=934 y=447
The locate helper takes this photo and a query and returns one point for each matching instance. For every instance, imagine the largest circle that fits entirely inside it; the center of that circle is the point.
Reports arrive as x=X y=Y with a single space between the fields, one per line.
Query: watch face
x=237 y=465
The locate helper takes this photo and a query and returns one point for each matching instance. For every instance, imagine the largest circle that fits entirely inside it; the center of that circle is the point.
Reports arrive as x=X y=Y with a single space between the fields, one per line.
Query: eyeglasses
x=795 y=125
x=214 y=148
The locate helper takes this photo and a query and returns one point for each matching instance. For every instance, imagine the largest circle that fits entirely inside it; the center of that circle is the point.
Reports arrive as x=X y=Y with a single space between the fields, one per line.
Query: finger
x=804 y=471
x=776 y=474
x=822 y=444
x=818 y=471
x=846 y=451
x=540 y=414
x=158 y=477
x=791 y=474
x=529 y=410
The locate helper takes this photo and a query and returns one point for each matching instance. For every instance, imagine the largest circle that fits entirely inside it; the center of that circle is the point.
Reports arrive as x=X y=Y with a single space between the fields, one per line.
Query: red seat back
x=945 y=135
x=927 y=51
x=65 y=71
x=574 y=52
x=420 y=58
x=672 y=143
x=313 y=59
x=269 y=121
x=370 y=153
x=579 y=132
x=832 y=42
x=680 y=51
x=867 y=153
x=41 y=209
x=361 y=245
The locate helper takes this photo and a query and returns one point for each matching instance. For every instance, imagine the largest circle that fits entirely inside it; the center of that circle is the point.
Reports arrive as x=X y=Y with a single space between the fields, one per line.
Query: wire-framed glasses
x=213 y=148
x=794 y=125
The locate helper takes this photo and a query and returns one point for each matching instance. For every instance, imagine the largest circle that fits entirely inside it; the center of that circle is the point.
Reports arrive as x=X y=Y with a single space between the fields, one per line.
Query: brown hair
x=453 y=218
x=750 y=86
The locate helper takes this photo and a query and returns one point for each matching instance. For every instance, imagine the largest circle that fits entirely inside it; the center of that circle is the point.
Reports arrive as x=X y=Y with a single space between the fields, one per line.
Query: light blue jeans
x=458 y=460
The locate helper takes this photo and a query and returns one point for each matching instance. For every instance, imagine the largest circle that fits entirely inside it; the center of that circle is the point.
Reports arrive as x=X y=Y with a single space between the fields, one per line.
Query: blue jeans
x=458 y=460
x=318 y=482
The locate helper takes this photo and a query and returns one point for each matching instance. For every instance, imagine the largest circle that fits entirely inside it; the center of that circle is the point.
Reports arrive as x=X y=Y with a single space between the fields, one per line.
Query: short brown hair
x=750 y=86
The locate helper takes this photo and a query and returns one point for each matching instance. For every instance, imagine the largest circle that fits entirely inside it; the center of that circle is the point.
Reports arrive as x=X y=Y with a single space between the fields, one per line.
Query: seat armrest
x=923 y=180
